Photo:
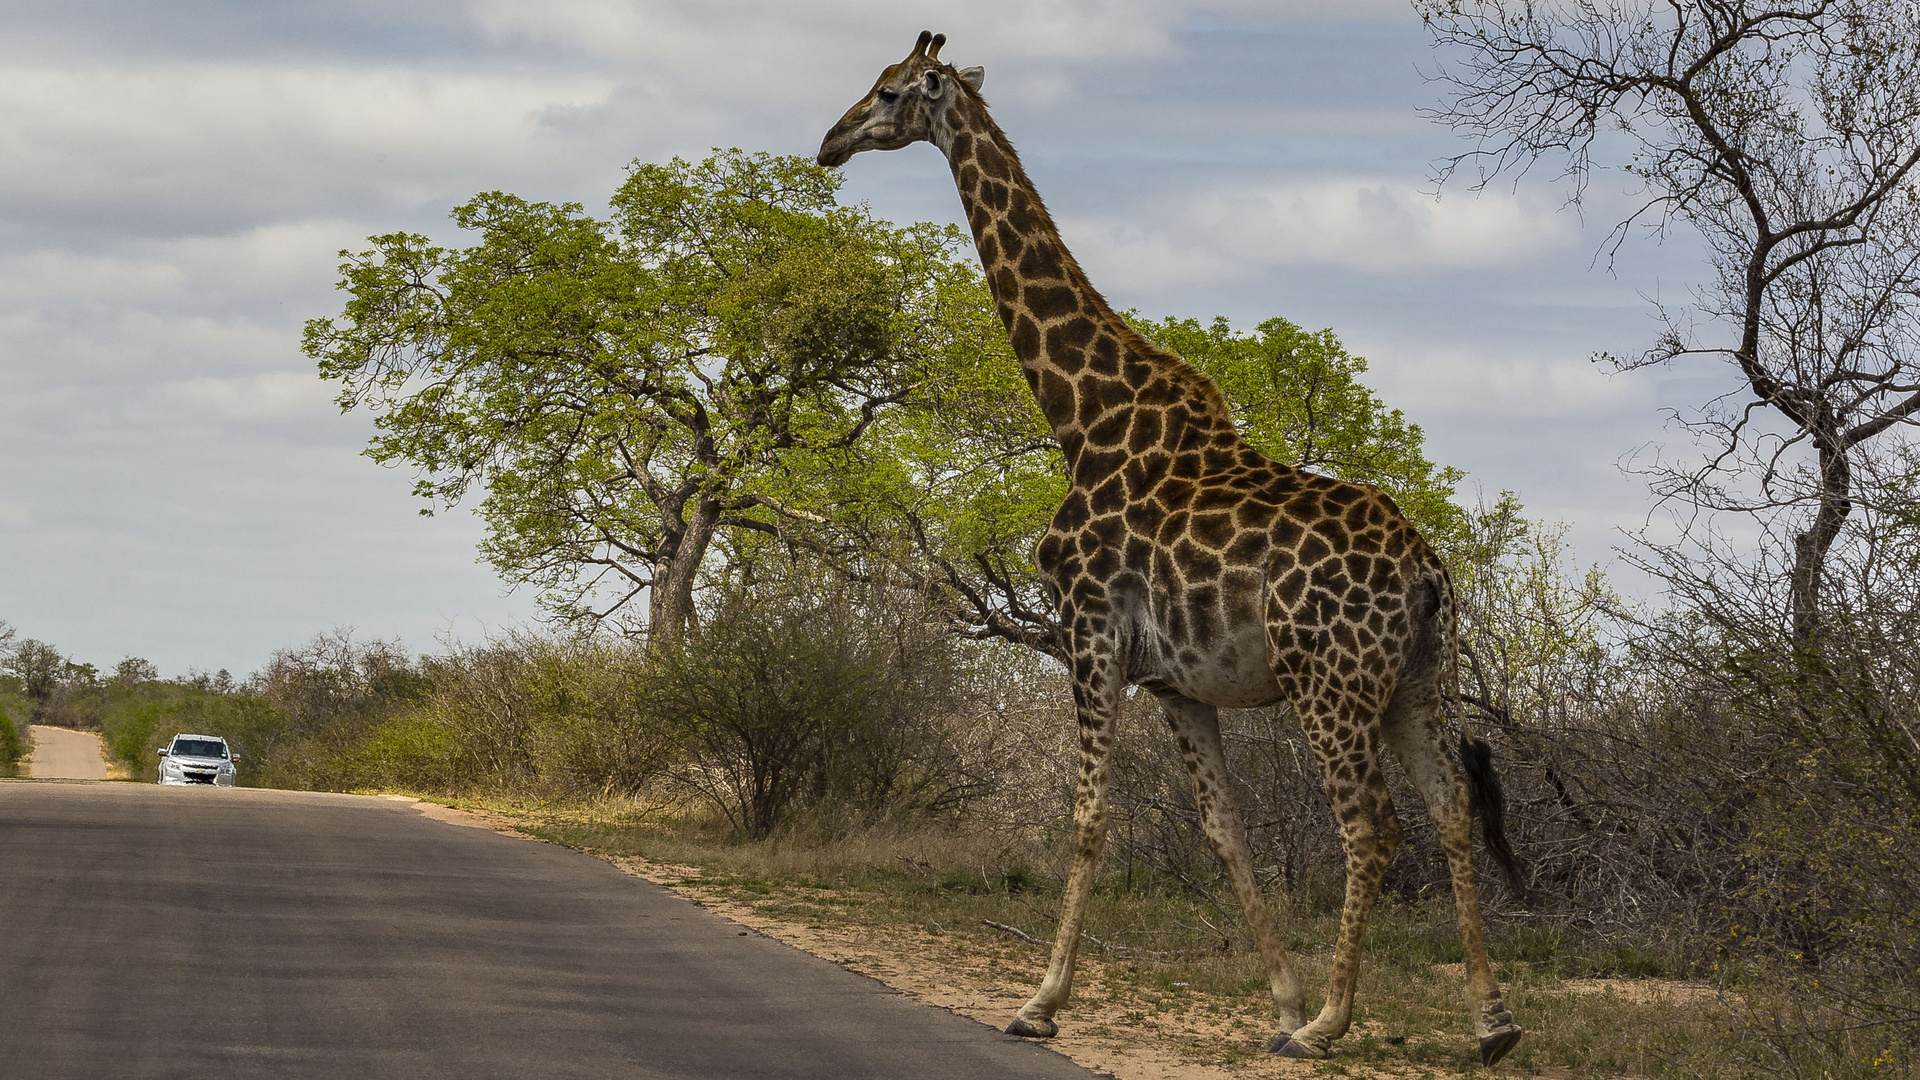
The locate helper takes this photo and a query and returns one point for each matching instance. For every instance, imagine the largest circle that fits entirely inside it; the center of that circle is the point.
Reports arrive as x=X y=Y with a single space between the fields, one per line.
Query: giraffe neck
x=1088 y=369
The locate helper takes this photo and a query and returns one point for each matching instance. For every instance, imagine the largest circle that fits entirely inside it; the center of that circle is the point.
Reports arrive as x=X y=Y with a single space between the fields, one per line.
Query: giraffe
x=1185 y=562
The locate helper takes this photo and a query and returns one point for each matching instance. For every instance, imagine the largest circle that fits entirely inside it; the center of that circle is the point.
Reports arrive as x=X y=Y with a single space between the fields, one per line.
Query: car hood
x=204 y=762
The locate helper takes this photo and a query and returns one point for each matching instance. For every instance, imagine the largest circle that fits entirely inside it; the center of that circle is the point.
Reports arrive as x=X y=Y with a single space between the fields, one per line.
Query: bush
x=410 y=752
x=551 y=716
x=559 y=716
x=1821 y=915
x=325 y=698
x=13 y=743
x=812 y=693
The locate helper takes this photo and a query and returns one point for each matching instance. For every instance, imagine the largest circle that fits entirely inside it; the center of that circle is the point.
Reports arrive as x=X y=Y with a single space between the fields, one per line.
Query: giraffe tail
x=1489 y=805
x=1485 y=800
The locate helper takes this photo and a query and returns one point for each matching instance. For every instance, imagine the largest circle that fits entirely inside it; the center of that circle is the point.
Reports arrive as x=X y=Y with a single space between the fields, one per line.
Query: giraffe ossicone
x=1186 y=562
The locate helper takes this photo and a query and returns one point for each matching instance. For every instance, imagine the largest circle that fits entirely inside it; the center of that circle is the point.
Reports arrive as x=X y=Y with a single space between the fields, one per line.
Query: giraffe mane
x=1129 y=337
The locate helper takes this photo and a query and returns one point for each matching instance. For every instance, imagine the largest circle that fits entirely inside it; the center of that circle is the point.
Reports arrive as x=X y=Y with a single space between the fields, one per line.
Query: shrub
x=12 y=743
x=810 y=692
x=561 y=716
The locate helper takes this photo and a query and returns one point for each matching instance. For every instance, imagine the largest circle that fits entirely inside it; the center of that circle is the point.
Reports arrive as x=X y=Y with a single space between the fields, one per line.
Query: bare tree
x=1787 y=136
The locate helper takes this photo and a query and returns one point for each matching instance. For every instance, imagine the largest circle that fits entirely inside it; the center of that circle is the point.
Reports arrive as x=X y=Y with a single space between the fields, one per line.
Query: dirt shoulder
x=1129 y=1020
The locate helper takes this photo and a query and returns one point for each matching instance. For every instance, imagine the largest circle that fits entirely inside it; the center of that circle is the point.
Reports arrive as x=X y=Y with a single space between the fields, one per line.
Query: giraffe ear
x=975 y=76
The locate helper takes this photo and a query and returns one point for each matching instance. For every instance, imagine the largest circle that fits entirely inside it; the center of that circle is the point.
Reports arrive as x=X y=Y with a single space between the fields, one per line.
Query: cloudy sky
x=176 y=180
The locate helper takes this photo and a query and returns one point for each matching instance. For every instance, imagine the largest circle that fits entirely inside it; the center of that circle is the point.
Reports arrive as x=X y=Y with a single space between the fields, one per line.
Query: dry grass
x=1169 y=989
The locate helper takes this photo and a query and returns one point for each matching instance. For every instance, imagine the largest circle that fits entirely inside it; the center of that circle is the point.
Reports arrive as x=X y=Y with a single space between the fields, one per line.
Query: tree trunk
x=670 y=603
x=1810 y=547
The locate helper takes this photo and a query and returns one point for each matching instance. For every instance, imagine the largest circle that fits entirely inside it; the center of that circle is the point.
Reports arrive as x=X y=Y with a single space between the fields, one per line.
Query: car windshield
x=199 y=748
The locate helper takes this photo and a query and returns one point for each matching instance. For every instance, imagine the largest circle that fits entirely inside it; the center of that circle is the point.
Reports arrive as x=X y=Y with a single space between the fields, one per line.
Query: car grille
x=193 y=776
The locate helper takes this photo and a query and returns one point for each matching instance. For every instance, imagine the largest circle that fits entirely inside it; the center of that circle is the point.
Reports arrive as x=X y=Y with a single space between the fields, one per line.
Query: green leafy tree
x=1539 y=634
x=952 y=491
x=39 y=666
x=132 y=672
x=629 y=390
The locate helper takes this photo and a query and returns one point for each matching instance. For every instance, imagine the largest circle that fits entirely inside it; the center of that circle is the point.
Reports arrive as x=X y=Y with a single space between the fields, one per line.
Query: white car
x=198 y=759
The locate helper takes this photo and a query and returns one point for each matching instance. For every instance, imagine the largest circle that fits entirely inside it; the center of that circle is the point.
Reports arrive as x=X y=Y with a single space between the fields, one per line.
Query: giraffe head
x=909 y=103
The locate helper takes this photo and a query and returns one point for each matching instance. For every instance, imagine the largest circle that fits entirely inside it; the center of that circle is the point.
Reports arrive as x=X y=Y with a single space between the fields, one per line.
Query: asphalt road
x=63 y=752
x=196 y=932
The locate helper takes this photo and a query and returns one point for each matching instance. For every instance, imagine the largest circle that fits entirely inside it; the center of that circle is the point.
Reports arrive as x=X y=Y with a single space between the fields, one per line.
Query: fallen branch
x=1127 y=949
x=1014 y=930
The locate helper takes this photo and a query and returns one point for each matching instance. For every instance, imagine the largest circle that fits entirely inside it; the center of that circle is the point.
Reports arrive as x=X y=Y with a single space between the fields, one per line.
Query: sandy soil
x=64 y=754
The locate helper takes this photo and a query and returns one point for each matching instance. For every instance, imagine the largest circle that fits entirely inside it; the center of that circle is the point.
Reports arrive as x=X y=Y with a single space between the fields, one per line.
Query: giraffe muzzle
x=831 y=155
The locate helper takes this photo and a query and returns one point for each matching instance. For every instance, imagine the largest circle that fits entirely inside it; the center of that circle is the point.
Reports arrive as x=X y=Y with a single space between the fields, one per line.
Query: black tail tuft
x=1489 y=805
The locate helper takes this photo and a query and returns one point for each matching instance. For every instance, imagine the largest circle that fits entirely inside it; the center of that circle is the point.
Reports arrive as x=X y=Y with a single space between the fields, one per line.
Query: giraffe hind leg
x=1345 y=735
x=1416 y=731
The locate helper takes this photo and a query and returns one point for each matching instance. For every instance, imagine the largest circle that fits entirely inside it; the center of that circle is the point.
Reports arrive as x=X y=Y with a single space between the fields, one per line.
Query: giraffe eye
x=889 y=96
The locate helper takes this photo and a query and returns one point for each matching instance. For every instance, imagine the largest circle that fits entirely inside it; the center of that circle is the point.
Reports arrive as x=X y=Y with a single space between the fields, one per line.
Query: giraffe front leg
x=1370 y=831
x=1095 y=692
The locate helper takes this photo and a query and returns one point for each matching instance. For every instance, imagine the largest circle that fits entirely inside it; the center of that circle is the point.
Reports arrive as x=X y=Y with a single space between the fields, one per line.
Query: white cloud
x=273 y=396
x=1371 y=225
x=183 y=107
x=112 y=355
x=290 y=256
x=740 y=51
x=237 y=142
x=748 y=42
x=116 y=325
x=1532 y=386
x=32 y=278
x=262 y=262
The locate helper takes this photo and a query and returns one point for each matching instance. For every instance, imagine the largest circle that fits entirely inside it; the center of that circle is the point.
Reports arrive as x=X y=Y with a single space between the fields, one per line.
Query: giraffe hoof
x=1495 y=1046
x=1033 y=1029
x=1286 y=1047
